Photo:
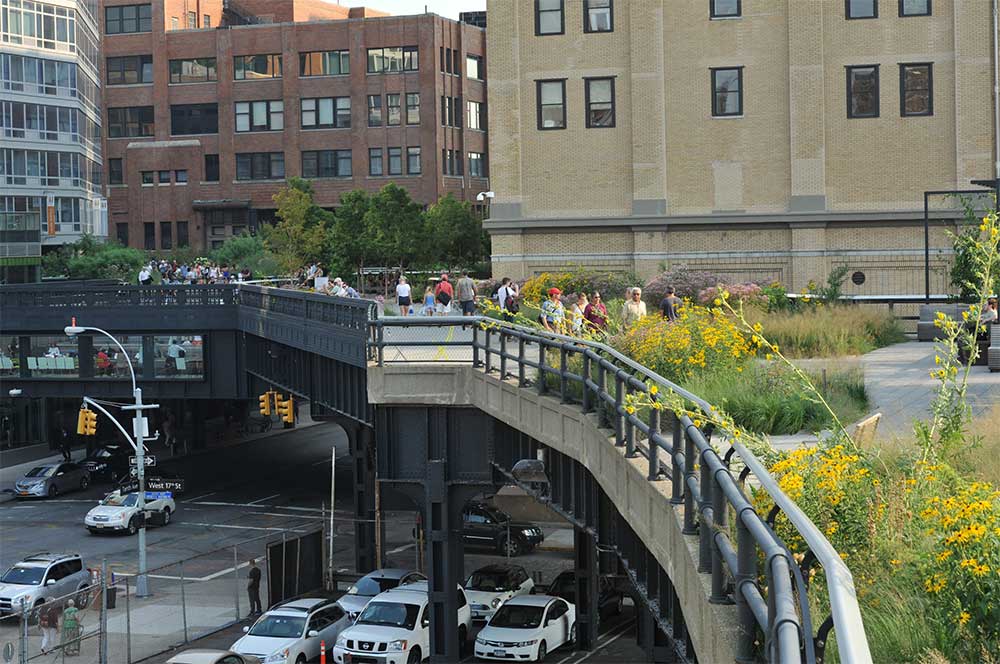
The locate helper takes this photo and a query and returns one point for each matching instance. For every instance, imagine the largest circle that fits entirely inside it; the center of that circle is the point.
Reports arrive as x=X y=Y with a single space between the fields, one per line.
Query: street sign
x=159 y=495
x=150 y=460
x=173 y=485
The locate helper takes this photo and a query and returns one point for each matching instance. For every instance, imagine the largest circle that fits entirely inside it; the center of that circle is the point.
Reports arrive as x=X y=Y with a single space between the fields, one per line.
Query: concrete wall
x=564 y=428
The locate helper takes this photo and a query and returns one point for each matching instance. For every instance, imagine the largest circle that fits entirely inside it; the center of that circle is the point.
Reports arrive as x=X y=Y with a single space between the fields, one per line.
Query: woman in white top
x=578 y=317
x=403 y=296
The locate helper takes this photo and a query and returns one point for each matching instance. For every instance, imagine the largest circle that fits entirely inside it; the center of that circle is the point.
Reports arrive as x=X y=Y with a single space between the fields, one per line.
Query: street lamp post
x=139 y=433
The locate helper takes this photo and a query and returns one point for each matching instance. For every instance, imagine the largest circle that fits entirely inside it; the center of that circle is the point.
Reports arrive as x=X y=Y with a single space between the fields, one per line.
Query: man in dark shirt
x=670 y=304
x=253 y=587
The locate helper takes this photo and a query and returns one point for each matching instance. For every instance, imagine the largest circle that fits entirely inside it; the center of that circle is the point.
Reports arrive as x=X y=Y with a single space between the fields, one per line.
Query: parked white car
x=40 y=578
x=118 y=512
x=527 y=627
x=201 y=656
x=394 y=628
x=489 y=587
x=291 y=633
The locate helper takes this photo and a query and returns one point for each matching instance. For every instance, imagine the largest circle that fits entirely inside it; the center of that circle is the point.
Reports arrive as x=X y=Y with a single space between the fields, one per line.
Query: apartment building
x=50 y=152
x=211 y=106
x=760 y=139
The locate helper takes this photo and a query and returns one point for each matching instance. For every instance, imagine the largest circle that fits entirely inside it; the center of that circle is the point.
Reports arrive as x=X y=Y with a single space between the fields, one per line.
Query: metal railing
x=712 y=499
x=30 y=295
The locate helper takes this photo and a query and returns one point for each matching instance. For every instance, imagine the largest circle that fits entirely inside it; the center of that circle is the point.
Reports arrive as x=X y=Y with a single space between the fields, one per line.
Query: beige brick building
x=762 y=139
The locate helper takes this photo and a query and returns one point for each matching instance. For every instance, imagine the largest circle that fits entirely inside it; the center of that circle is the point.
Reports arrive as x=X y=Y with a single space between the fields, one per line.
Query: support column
x=363 y=464
x=588 y=613
x=445 y=561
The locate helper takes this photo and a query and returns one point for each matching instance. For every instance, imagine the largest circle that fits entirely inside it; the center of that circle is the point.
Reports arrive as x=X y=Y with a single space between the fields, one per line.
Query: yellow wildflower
x=963 y=618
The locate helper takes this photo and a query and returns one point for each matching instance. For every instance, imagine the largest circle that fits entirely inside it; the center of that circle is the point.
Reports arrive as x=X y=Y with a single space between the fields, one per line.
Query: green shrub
x=829 y=331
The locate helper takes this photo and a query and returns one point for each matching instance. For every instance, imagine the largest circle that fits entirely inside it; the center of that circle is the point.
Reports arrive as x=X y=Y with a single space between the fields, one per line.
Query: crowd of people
x=175 y=273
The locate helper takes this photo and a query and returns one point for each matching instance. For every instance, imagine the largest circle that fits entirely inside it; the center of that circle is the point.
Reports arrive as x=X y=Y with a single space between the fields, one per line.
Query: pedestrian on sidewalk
x=428 y=309
x=48 y=621
x=633 y=309
x=65 y=445
x=253 y=587
x=72 y=627
x=403 y=296
x=670 y=304
x=467 y=294
x=596 y=313
x=444 y=293
x=507 y=299
x=577 y=316
x=553 y=313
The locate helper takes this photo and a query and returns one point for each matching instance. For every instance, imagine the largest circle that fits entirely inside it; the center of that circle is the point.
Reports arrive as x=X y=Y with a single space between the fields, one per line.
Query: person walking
x=596 y=313
x=145 y=276
x=253 y=587
x=71 y=629
x=507 y=299
x=670 y=305
x=467 y=294
x=444 y=293
x=633 y=309
x=48 y=621
x=553 y=314
x=578 y=318
x=65 y=445
x=428 y=309
x=404 y=296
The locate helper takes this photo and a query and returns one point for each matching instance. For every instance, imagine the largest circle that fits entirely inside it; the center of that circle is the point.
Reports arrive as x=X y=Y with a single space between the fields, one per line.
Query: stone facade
x=789 y=188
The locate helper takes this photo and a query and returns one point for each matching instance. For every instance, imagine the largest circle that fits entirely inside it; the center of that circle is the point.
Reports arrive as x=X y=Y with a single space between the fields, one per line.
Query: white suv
x=394 y=628
x=118 y=512
x=40 y=578
x=291 y=633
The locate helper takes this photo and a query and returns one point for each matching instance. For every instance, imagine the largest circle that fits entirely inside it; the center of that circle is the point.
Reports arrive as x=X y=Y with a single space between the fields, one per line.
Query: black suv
x=485 y=525
x=107 y=463
x=609 y=602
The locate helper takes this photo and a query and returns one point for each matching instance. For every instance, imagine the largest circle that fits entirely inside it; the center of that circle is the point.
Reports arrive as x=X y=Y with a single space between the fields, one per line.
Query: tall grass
x=830 y=331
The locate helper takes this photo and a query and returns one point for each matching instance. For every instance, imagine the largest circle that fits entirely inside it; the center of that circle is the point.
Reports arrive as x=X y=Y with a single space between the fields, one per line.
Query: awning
x=222 y=204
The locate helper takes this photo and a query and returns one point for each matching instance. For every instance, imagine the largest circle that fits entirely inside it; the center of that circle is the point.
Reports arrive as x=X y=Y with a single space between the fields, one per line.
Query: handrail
x=788 y=626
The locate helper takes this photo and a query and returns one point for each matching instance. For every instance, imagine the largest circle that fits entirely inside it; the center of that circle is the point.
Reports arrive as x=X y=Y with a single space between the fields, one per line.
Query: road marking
x=622 y=629
x=260 y=500
x=400 y=549
x=210 y=577
x=191 y=500
x=273 y=507
x=222 y=525
x=286 y=516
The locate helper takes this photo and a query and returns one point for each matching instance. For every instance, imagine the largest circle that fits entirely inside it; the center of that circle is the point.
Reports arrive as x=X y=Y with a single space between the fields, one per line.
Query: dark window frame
x=120 y=19
x=369 y=108
x=381 y=164
x=192 y=110
x=562 y=19
x=902 y=89
x=276 y=63
x=538 y=103
x=878 y=92
x=123 y=121
x=409 y=107
x=398 y=156
x=120 y=60
x=586 y=104
x=847 y=11
x=410 y=154
x=929 y=12
x=305 y=62
x=254 y=158
x=335 y=124
x=586 y=17
x=716 y=111
x=116 y=171
x=251 y=127
x=211 y=169
x=480 y=67
x=180 y=63
x=166 y=235
x=713 y=14
x=333 y=156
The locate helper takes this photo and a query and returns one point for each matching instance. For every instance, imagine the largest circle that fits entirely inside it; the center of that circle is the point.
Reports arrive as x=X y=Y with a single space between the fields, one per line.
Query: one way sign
x=149 y=458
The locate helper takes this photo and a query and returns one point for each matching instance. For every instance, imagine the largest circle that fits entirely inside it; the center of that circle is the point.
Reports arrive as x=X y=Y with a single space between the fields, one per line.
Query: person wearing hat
x=553 y=314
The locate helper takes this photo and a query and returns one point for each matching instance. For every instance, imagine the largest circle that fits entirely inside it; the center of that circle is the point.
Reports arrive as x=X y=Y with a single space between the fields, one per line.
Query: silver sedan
x=52 y=479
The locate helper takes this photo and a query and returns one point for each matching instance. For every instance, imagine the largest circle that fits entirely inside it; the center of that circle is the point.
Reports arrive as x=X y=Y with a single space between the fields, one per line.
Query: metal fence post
x=184 y=615
x=380 y=343
x=541 y=367
x=654 y=448
x=102 y=634
x=521 y=379
x=719 y=519
x=236 y=583
x=690 y=527
x=24 y=632
x=602 y=388
x=707 y=529
x=475 y=348
x=503 y=354
x=746 y=573
x=128 y=625
x=676 y=477
x=629 y=429
x=585 y=406
x=563 y=370
x=619 y=429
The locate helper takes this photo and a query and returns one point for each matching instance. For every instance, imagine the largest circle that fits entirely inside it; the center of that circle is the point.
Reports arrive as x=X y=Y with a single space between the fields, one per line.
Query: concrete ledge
x=713 y=628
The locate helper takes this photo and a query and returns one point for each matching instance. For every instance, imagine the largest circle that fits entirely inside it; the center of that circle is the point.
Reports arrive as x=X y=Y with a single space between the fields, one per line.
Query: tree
x=300 y=237
x=352 y=242
x=456 y=232
x=247 y=251
x=89 y=258
x=395 y=225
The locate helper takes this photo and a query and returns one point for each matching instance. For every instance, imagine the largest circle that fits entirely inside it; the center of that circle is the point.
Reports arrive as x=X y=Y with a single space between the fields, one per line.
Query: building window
x=727 y=92
x=725 y=8
x=326 y=113
x=197 y=70
x=133 y=121
x=551 y=97
x=182 y=233
x=116 y=173
x=393 y=111
x=549 y=19
x=600 y=99
x=211 y=168
x=192 y=21
x=181 y=176
x=395 y=161
x=149 y=236
x=412 y=108
x=166 y=235
x=130 y=69
x=477 y=115
x=324 y=63
x=392 y=59
x=914 y=7
x=451 y=111
x=375 y=161
x=413 y=161
x=260 y=115
x=147 y=177
x=374 y=110
x=247 y=67
x=260 y=166
x=326 y=164
x=206 y=22
x=916 y=89
x=477 y=165
x=862 y=8
x=598 y=16
x=121 y=231
x=175 y=23
x=474 y=67
x=445 y=60
x=451 y=162
x=124 y=19
x=186 y=119
x=862 y=91
x=163 y=177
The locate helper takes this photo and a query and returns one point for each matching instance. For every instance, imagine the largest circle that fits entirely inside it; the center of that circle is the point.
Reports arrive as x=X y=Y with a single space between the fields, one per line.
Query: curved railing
x=712 y=499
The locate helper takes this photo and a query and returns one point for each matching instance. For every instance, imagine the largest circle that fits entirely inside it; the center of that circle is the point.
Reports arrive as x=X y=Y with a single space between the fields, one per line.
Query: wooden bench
x=993 y=352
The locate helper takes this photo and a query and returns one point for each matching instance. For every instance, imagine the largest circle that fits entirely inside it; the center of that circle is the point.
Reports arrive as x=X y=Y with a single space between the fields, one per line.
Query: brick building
x=761 y=139
x=210 y=106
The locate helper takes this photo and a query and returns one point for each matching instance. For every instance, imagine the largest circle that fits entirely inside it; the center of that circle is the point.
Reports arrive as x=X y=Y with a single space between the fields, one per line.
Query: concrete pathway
x=900 y=386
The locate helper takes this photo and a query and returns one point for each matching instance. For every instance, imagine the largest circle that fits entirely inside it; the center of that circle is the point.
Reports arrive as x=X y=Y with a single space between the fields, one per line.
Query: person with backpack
x=507 y=296
x=443 y=294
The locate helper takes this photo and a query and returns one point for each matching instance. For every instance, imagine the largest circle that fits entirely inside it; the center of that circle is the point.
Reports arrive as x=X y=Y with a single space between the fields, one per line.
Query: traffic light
x=286 y=410
x=265 y=404
x=86 y=422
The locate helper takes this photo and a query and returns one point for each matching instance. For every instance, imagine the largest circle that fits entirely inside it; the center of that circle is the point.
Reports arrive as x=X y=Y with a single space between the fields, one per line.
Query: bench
x=926 y=330
x=993 y=352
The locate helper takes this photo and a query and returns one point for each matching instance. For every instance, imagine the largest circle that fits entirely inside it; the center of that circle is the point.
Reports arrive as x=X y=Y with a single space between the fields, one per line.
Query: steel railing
x=704 y=486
